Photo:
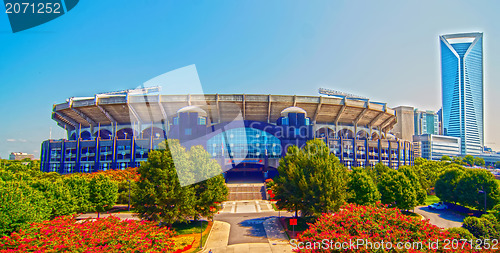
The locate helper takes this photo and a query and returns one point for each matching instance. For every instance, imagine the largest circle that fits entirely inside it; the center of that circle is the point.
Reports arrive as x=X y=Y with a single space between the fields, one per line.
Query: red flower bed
x=102 y=235
x=354 y=227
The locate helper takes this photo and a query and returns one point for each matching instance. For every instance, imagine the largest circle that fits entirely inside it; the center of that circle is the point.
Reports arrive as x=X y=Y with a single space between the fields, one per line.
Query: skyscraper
x=462 y=89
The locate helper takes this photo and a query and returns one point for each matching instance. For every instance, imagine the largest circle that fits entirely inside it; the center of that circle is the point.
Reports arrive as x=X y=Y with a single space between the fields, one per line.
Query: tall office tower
x=462 y=89
x=426 y=122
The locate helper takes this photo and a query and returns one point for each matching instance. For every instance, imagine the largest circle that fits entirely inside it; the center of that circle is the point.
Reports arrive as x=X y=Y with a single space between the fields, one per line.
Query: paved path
x=248 y=226
x=130 y=216
x=247 y=206
x=275 y=239
x=441 y=218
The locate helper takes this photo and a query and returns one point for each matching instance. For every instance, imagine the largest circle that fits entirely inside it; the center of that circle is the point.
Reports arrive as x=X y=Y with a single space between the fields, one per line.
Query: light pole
x=201 y=233
x=128 y=194
x=481 y=191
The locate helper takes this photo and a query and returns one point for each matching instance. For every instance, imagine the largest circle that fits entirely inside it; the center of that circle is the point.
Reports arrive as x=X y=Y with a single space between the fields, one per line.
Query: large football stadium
x=242 y=132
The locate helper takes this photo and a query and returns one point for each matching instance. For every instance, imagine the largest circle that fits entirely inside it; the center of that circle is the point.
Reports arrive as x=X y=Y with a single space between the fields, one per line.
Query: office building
x=404 y=127
x=433 y=147
x=462 y=89
x=20 y=156
x=426 y=122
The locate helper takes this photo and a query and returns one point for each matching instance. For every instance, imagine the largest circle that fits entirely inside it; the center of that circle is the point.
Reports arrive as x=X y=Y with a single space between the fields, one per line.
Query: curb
x=203 y=249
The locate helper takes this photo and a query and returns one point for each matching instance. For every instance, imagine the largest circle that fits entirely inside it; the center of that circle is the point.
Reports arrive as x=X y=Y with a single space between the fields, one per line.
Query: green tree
x=497 y=164
x=211 y=188
x=447 y=183
x=474 y=181
x=311 y=179
x=123 y=190
x=469 y=160
x=428 y=172
x=103 y=193
x=57 y=195
x=445 y=158
x=419 y=190
x=361 y=188
x=486 y=227
x=478 y=161
x=459 y=160
x=397 y=190
x=419 y=161
x=496 y=211
x=159 y=195
x=20 y=205
x=79 y=188
x=461 y=233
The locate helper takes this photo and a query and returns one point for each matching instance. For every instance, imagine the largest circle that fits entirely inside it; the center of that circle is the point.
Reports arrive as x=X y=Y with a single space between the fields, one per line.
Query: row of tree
x=27 y=196
x=468 y=187
x=467 y=160
x=314 y=181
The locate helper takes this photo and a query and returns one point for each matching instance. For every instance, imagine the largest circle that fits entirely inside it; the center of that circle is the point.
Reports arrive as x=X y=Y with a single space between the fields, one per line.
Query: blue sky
x=387 y=51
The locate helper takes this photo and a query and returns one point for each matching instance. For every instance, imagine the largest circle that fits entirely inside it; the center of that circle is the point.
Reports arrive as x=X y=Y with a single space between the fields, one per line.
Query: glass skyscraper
x=462 y=89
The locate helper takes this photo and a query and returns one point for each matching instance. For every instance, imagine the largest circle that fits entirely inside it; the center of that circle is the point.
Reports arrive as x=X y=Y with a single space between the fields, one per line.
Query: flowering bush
x=115 y=175
x=102 y=235
x=355 y=223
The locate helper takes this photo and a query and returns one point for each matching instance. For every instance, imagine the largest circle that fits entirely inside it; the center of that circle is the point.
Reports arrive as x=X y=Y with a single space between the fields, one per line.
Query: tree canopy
x=311 y=180
x=159 y=194
x=362 y=190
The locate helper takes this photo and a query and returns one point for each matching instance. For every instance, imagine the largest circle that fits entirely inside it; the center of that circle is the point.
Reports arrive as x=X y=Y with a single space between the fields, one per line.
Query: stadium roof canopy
x=107 y=109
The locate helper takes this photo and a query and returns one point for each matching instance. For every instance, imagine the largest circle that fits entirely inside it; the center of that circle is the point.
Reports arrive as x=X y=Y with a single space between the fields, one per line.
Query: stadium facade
x=242 y=132
x=462 y=87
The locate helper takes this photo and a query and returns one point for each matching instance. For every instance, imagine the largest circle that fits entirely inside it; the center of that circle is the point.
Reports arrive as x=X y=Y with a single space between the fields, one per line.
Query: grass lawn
x=197 y=247
x=412 y=214
x=192 y=227
x=276 y=208
x=431 y=199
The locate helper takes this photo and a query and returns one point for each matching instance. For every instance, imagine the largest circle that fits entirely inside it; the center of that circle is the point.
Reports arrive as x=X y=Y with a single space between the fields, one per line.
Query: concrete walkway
x=441 y=218
x=277 y=240
x=129 y=216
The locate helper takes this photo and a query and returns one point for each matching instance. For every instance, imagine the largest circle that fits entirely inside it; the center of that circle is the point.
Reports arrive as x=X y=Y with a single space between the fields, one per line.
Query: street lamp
x=201 y=233
x=128 y=194
x=481 y=191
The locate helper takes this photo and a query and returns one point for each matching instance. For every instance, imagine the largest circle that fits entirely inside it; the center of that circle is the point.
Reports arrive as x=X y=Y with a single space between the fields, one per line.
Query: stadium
x=243 y=132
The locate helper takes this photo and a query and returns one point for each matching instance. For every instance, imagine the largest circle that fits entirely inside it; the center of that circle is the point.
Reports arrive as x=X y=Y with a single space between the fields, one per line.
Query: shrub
x=57 y=195
x=461 y=233
x=486 y=227
x=371 y=224
x=20 y=205
x=102 y=235
x=79 y=188
x=103 y=193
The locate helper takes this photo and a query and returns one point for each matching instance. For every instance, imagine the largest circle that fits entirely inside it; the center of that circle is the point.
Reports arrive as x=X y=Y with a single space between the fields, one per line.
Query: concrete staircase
x=239 y=192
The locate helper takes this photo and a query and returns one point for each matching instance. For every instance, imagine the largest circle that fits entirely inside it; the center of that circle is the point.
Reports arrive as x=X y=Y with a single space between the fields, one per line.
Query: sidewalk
x=129 y=216
x=277 y=240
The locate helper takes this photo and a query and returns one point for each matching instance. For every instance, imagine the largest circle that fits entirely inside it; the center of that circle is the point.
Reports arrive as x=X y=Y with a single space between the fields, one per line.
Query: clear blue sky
x=387 y=51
